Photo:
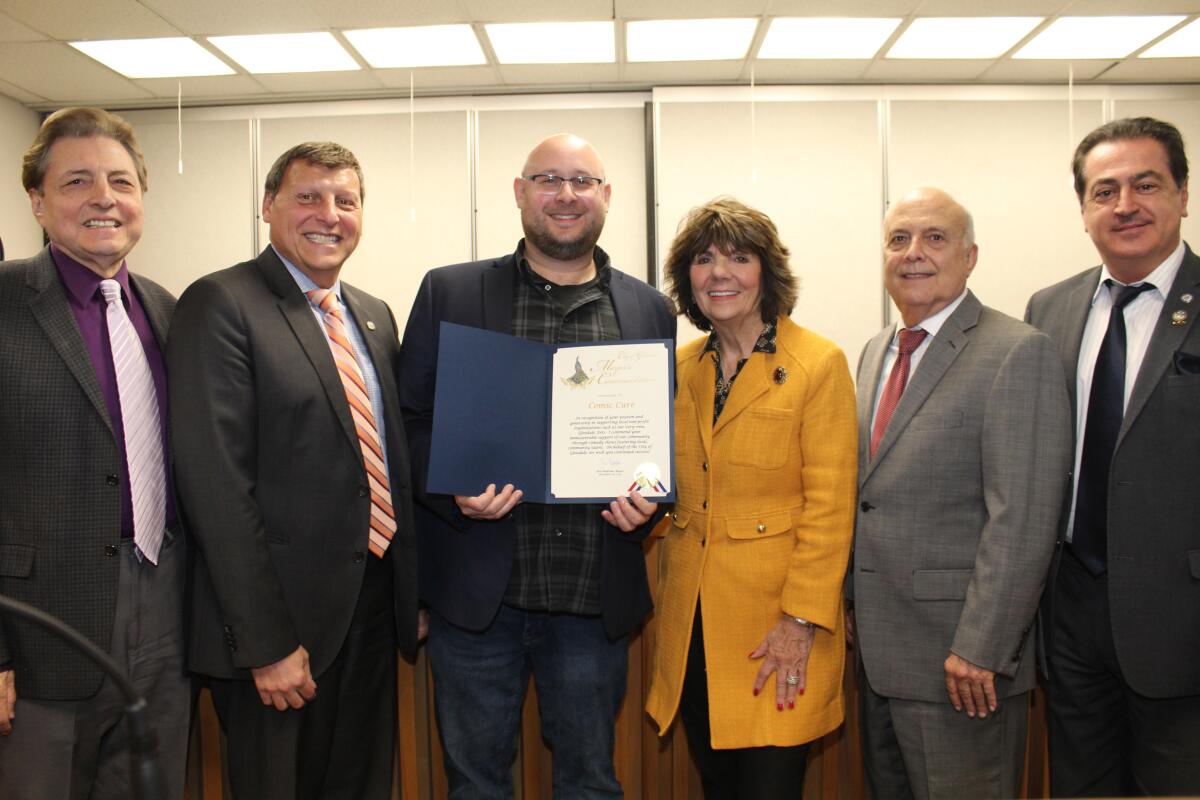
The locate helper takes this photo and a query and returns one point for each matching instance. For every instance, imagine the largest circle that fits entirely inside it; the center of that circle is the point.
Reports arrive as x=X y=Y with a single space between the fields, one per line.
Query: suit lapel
x=50 y=308
x=702 y=385
x=299 y=314
x=1166 y=338
x=945 y=348
x=626 y=307
x=1079 y=304
x=753 y=382
x=496 y=302
x=155 y=312
x=869 y=375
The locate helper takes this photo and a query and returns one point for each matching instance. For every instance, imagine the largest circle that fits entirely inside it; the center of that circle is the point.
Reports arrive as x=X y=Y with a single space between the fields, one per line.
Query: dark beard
x=563 y=250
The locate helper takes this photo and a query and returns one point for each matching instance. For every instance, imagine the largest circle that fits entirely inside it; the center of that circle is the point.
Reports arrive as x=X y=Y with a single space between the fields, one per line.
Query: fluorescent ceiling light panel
x=1183 y=43
x=1096 y=37
x=961 y=37
x=553 y=42
x=826 y=37
x=689 y=39
x=286 y=52
x=172 y=57
x=426 y=46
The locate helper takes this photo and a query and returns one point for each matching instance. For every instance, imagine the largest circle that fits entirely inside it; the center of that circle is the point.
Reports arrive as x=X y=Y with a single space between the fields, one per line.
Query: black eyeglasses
x=550 y=184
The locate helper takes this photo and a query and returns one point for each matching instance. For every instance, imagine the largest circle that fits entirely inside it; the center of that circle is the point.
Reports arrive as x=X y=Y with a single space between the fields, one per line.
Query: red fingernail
x=801 y=691
x=756 y=692
x=792 y=704
x=779 y=706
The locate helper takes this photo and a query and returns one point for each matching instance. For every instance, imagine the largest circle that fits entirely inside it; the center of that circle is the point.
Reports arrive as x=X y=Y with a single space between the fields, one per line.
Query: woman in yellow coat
x=749 y=646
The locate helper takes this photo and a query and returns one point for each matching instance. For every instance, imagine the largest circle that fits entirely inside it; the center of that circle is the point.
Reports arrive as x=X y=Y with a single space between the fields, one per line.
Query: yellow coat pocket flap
x=941 y=584
x=680 y=518
x=760 y=526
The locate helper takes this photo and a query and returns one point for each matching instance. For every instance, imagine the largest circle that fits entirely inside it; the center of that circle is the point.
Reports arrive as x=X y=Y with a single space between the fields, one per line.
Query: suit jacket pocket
x=16 y=560
x=759 y=527
x=941 y=584
x=763 y=437
x=1194 y=563
x=936 y=422
x=1186 y=363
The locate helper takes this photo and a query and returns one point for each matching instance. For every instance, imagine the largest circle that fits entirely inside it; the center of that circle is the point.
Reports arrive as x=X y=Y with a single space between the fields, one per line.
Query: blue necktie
x=1106 y=409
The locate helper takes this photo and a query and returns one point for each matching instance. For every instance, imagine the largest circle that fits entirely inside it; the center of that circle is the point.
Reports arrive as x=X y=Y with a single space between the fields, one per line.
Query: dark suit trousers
x=62 y=749
x=340 y=746
x=1105 y=739
x=746 y=773
x=929 y=751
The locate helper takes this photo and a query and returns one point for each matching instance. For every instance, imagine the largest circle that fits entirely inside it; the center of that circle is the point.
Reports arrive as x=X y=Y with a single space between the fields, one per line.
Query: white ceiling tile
x=845 y=8
x=236 y=17
x=808 y=71
x=13 y=31
x=208 y=86
x=1095 y=8
x=689 y=9
x=320 y=82
x=924 y=70
x=60 y=73
x=558 y=74
x=995 y=8
x=1038 y=71
x=19 y=94
x=672 y=72
x=537 y=10
x=90 y=19
x=389 y=13
x=1155 y=70
x=442 y=78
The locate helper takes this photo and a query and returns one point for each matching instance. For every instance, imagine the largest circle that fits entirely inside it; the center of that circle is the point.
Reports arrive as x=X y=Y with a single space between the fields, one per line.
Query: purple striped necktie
x=139 y=416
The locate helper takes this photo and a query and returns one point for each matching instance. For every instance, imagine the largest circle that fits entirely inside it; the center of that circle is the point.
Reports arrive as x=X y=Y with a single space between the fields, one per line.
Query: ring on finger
x=793 y=680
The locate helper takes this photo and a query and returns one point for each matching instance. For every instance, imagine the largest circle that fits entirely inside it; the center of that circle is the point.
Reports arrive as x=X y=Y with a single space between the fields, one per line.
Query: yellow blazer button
x=706 y=466
x=761 y=527
x=706 y=504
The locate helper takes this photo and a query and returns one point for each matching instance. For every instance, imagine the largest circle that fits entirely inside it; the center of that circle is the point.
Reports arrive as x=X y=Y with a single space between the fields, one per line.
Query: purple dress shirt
x=83 y=295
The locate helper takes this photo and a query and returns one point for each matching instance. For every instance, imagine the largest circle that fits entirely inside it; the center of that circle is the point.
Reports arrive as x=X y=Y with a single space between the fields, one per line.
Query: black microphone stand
x=146 y=777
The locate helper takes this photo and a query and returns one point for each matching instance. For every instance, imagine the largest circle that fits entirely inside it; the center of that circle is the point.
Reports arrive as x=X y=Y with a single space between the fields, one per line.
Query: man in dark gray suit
x=1123 y=603
x=964 y=434
x=293 y=474
x=87 y=519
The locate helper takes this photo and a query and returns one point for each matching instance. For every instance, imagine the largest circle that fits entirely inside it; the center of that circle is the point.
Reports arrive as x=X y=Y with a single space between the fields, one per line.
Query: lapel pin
x=1179 y=317
x=780 y=375
x=370 y=325
x=1187 y=298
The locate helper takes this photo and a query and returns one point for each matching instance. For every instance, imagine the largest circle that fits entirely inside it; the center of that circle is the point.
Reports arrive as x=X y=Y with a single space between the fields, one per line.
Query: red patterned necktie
x=909 y=342
x=383 y=518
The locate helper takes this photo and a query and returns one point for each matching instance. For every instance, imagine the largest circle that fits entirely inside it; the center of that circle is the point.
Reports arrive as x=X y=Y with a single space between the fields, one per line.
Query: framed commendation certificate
x=564 y=423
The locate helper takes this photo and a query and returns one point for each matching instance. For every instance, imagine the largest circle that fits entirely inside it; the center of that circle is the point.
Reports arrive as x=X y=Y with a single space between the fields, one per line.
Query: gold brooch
x=780 y=375
x=1178 y=318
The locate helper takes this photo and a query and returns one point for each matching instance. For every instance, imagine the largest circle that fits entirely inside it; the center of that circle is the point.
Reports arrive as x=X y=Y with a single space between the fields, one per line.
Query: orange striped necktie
x=383 y=518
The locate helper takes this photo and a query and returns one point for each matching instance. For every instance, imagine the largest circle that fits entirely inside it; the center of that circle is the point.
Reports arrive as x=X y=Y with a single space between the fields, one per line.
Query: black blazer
x=60 y=500
x=465 y=565
x=1153 y=491
x=270 y=473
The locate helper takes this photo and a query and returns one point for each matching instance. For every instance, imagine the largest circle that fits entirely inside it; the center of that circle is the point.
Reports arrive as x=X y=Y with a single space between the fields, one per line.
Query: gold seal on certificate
x=647 y=479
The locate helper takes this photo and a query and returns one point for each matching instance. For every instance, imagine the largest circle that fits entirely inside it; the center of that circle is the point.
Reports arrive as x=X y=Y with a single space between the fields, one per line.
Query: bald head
x=931 y=198
x=928 y=253
x=560 y=146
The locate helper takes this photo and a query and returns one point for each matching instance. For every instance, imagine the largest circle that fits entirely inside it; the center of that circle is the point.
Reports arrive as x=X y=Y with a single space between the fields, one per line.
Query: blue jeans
x=479 y=684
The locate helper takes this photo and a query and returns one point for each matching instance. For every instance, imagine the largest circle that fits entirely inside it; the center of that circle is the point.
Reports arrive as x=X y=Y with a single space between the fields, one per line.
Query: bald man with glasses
x=518 y=588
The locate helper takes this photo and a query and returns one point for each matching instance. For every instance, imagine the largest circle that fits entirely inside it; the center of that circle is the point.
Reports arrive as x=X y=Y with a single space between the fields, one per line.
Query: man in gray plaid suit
x=87 y=520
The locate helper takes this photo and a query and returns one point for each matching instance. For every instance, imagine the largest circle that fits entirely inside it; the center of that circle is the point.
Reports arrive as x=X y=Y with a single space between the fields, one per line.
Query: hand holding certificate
x=567 y=423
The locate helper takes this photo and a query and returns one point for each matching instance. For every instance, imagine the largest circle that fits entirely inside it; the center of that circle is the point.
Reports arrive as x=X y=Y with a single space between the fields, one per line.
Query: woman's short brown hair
x=731 y=226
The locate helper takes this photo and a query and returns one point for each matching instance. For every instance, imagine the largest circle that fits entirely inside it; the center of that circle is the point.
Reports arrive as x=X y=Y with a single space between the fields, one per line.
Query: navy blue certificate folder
x=492 y=415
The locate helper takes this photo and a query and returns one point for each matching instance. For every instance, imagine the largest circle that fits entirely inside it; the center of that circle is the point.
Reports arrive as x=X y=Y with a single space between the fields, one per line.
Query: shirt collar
x=80 y=282
x=932 y=324
x=1163 y=276
x=764 y=344
x=599 y=257
x=306 y=283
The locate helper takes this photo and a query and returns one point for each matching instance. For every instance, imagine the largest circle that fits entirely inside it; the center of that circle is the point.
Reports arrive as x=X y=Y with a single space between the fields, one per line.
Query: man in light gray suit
x=1122 y=607
x=964 y=448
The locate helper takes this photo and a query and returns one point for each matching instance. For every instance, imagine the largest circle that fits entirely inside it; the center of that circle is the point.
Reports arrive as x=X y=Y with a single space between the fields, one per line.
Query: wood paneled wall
x=648 y=766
